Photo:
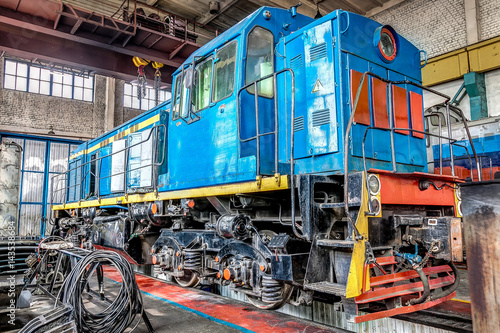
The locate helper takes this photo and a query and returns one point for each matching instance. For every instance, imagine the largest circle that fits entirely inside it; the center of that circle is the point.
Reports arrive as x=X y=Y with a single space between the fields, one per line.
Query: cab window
x=260 y=60
x=224 y=71
x=181 y=95
x=177 y=96
x=201 y=85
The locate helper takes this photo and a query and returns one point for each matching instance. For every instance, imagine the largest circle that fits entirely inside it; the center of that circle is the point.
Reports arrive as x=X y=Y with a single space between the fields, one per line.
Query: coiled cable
x=118 y=315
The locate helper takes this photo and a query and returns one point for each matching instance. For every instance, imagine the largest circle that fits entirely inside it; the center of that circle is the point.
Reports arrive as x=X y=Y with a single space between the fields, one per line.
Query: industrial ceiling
x=104 y=35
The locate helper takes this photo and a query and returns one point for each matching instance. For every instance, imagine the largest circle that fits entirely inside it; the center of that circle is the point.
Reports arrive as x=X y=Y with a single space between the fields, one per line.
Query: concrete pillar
x=109 y=111
x=472 y=21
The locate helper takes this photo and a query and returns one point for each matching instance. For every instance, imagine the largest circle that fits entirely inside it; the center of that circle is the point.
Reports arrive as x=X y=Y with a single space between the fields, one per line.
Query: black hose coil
x=120 y=313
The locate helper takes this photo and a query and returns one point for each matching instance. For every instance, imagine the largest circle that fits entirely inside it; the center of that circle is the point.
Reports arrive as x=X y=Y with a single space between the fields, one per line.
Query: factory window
x=224 y=69
x=35 y=79
x=260 y=60
x=201 y=86
x=130 y=99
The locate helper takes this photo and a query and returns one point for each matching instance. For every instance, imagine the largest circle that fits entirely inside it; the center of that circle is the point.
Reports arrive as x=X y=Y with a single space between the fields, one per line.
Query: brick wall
x=436 y=26
x=489 y=18
x=34 y=113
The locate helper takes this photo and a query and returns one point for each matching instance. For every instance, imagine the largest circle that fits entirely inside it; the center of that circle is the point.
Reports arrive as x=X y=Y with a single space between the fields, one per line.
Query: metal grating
x=298 y=124
x=321 y=117
x=317 y=52
x=296 y=62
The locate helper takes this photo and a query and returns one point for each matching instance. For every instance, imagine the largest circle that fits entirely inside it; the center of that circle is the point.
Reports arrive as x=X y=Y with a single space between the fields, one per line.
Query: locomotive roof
x=233 y=32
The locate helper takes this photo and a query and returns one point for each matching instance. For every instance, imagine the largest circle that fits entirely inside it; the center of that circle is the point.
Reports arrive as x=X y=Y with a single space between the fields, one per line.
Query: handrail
x=391 y=129
x=155 y=163
x=365 y=171
x=258 y=135
x=466 y=126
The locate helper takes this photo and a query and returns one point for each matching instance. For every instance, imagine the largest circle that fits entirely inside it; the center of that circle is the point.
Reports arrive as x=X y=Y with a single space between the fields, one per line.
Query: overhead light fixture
x=213 y=7
x=51 y=130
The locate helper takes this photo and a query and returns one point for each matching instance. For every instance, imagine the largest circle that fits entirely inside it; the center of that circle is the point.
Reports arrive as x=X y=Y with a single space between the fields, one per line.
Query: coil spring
x=271 y=290
x=192 y=259
x=75 y=240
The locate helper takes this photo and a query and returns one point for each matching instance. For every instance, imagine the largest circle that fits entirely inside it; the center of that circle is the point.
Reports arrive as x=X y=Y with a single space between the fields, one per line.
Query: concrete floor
x=463 y=287
x=173 y=309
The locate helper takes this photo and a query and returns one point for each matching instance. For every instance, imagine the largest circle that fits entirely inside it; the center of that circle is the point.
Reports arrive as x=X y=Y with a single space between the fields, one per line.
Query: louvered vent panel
x=317 y=52
x=298 y=124
x=320 y=117
x=296 y=62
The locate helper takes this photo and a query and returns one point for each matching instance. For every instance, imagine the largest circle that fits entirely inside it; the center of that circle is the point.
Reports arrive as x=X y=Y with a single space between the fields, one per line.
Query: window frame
x=206 y=59
x=246 y=63
x=128 y=99
x=213 y=71
x=50 y=81
x=179 y=80
x=181 y=75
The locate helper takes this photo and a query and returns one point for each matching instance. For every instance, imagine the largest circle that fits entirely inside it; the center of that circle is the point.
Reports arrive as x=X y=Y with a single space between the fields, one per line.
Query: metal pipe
x=391 y=126
x=440 y=146
x=452 y=162
x=256 y=94
x=276 y=126
x=464 y=120
x=292 y=160
x=346 y=156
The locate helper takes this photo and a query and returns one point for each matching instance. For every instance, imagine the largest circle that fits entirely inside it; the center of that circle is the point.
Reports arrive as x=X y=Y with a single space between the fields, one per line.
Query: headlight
x=374 y=184
x=375 y=205
x=387 y=44
x=458 y=193
x=385 y=41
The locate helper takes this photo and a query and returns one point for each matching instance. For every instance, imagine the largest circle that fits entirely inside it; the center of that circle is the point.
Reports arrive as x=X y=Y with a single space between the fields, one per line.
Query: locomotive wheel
x=258 y=303
x=190 y=279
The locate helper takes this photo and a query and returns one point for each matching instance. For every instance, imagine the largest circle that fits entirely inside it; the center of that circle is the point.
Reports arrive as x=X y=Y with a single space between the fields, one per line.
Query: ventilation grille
x=321 y=117
x=317 y=52
x=298 y=124
x=296 y=62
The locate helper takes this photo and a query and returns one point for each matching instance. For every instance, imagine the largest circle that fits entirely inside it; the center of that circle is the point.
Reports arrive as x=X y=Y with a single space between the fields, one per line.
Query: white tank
x=10 y=184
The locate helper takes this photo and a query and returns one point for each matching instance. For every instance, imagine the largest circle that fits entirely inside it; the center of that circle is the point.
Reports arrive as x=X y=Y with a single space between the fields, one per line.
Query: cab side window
x=177 y=96
x=201 y=85
x=224 y=72
x=260 y=60
x=181 y=96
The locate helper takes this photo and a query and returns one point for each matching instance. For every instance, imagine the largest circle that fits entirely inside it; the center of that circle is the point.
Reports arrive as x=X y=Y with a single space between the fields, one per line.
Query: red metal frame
x=392 y=185
x=392 y=285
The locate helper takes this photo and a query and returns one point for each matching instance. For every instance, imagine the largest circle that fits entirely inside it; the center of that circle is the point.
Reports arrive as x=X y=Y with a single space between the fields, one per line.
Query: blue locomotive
x=289 y=163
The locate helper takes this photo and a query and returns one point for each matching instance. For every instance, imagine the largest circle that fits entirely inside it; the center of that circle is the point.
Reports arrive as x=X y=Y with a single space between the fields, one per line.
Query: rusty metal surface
x=456 y=242
x=481 y=213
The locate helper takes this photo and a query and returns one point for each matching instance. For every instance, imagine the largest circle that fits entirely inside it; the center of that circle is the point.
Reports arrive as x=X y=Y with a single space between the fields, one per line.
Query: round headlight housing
x=385 y=41
x=375 y=203
x=374 y=184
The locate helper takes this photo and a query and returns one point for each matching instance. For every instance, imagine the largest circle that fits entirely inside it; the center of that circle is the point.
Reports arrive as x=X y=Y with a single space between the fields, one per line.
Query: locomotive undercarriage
x=245 y=241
